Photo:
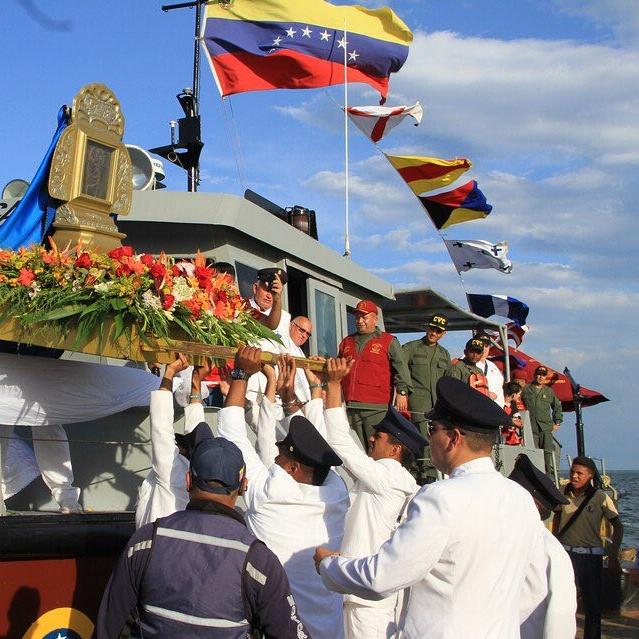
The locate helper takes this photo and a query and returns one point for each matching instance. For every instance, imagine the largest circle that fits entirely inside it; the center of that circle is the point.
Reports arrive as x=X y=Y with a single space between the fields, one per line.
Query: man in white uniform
x=293 y=503
x=164 y=490
x=267 y=300
x=555 y=616
x=380 y=493
x=492 y=372
x=471 y=548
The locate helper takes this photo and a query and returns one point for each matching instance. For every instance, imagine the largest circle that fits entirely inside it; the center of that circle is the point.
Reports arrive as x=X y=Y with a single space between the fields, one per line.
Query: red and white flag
x=376 y=121
x=514 y=333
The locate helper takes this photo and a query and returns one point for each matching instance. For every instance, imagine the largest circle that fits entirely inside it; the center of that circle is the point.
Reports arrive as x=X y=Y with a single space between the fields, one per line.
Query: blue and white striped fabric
x=502 y=305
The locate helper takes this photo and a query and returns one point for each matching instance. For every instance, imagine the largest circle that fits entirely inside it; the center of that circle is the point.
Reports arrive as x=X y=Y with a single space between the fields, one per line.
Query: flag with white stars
x=255 y=45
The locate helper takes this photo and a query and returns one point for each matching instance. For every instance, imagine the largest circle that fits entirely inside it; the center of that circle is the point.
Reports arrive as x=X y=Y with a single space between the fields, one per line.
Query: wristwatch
x=240 y=373
x=402 y=392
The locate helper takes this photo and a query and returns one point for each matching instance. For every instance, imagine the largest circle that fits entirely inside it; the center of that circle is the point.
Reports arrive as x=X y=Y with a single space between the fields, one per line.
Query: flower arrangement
x=164 y=297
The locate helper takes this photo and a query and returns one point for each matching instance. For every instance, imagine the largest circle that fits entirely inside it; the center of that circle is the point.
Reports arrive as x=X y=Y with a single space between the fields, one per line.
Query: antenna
x=189 y=127
x=577 y=399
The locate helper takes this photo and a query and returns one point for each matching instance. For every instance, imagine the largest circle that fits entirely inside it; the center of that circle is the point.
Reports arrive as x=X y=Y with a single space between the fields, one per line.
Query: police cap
x=474 y=344
x=537 y=483
x=304 y=444
x=217 y=460
x=267 y=276
x=402 y=429
x=189 y=441
x=467 y=408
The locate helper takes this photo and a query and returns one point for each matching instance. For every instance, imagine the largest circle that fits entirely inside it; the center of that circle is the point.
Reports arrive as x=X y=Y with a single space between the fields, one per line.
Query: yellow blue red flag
x=255 y=45
x=462 y=204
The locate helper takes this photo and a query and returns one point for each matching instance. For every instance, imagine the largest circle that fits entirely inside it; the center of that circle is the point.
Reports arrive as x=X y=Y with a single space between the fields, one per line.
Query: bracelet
x=293 y=402
x=197 y=396
x=312 y=386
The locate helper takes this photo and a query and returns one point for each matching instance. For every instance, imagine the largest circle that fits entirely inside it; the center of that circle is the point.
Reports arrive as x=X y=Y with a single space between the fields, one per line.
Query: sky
x=542 y=96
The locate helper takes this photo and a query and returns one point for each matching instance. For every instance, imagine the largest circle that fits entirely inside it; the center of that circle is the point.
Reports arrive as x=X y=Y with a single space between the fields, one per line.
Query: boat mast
x=189 y=131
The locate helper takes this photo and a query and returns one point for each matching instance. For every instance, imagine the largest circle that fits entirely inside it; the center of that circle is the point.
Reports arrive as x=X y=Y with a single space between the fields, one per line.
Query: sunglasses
x=302 y=330
x=432 y=428
x=435 y=329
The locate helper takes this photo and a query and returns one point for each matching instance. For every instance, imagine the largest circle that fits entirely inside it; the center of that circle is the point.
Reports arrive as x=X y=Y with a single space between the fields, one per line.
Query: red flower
x=147 y=260
x=168 y=302
x=194 y=306
x=124 y=270
x=204 y=276
x=122 y=251
x=26 y=277
x=84 y=261
x=158 y=273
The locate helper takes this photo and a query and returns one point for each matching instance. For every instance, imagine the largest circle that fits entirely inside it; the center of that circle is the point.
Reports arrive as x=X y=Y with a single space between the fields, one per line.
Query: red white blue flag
x=376 y=121
x=254 y=45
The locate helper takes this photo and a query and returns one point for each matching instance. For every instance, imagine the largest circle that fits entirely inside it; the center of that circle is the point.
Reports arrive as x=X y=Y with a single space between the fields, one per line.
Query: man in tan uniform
x=577 y=528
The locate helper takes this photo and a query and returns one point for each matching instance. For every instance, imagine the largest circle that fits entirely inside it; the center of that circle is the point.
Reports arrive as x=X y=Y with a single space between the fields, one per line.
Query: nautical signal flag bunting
x=254 y=45
x=462 y=204
x=424 y=174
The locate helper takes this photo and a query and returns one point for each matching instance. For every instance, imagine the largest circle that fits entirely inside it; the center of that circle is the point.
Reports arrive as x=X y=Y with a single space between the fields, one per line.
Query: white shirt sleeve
x=162 y=435
x=402 y=561
x=266 y=436
x=193 y=415
x=182 y=387
x=535 y=587
x=314 y=412
x=374 y=476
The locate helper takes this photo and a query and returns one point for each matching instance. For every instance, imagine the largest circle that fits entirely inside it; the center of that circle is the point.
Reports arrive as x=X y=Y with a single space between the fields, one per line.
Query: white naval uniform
x=379 y=495
x=471 y=547
x=555 y=617
x=163 y=491
x=292 y=519
x=495 y=380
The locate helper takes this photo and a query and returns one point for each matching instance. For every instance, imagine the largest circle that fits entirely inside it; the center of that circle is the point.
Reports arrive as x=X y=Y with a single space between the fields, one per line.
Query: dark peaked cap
x=307 y=446
x=467 y=408
x=395 y=424
x=190 y=440
x=538 y=484
x=267 y=275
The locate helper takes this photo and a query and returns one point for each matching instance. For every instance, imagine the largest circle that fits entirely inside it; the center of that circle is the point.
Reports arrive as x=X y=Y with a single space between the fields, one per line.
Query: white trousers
x=367 y=622
x=54 y=460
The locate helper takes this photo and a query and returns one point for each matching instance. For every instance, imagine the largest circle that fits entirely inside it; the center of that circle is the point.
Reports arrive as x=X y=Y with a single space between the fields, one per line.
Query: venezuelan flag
x=459 y=205
x=254 y=45
x=424 y=174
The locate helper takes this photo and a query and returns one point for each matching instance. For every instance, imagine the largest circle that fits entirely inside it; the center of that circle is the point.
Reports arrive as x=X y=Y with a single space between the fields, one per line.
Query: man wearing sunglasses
x=471 y=547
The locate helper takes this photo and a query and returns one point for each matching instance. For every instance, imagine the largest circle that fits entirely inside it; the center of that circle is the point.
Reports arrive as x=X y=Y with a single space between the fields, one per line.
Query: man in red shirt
x=379 y=372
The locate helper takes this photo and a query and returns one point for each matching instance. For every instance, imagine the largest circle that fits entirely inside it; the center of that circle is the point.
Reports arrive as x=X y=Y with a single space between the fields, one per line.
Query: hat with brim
x=438 y=321
x=304 y=444
x=537 y=483
x=366 y=306
x=189 y=441
x=402 y=429
x=267 y=275
x=466 y=408
x=220 y=461
x=475 y=344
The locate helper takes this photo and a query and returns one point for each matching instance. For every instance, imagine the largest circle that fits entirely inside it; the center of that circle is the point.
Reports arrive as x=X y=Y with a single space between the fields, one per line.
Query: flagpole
x=347 y=241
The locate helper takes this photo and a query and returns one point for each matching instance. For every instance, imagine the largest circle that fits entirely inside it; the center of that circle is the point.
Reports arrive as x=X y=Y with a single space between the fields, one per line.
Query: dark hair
x=480 y=441
x=407 y=458
x=319 y=475
x=225 y=267
x=510 y=388
x=588 y=463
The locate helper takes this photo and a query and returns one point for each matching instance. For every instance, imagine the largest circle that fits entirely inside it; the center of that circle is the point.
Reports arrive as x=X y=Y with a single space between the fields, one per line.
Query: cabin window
x=325 y=325
x=246 y=276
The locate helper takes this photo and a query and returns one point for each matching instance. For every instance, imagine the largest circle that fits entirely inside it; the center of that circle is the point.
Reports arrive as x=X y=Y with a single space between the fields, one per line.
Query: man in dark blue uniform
x=200 y=572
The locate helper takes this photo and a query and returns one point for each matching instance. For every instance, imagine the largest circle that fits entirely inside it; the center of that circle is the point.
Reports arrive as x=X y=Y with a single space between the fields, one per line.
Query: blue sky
x=542 y=96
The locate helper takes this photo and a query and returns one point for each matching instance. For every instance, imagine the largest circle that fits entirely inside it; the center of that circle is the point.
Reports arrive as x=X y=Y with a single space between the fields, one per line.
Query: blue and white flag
x=502 y=305
x=468 y=254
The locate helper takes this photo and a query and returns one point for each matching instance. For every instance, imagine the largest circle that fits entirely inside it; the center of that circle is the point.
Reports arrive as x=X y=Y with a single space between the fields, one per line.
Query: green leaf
x=65 y=311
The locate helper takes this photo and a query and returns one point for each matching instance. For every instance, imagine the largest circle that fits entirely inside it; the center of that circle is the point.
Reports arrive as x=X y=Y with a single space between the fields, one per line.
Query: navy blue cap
x=307 y=446
x=267 y=275
x=475 y=344
x=402 y=429
x=190 y=440
x=467 y=408
x=537 y=483
x=219 y=460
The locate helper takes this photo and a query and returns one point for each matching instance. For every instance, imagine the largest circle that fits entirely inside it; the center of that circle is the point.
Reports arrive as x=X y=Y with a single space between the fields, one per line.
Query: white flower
x=181 y=290
x=35 y=289
x=152 y=301
x=103 y=287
